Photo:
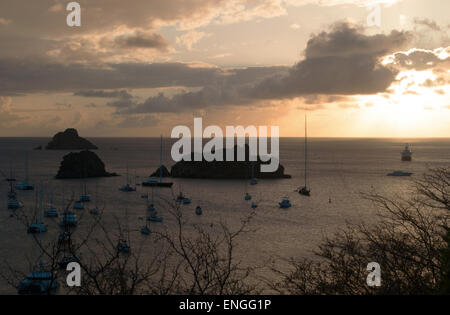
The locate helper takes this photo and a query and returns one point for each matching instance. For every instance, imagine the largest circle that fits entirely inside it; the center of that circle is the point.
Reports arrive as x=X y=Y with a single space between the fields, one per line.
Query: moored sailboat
x=305 y=191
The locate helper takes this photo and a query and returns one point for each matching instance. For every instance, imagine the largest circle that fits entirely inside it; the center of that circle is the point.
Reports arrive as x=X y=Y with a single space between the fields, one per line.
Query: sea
x=339 y=172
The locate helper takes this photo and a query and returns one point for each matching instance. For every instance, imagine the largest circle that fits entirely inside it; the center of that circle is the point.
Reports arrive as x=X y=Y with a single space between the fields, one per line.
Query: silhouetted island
x=82 y=164
x=69 y=140
x=225 y=169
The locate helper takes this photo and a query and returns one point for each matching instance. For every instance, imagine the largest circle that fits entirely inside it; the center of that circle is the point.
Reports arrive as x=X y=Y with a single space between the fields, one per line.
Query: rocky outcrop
x=82 y=164
x=225 y=169
x=69 y=140
x=165 y=172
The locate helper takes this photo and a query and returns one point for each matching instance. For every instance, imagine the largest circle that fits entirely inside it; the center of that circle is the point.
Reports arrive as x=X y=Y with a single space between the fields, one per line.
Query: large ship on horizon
x=407 y=154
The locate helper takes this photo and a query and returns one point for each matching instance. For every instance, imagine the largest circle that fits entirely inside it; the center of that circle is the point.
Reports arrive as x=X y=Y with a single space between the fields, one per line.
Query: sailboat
x=122 y=244
x=127 y=187
x=153 y=182
x=150 y=207
x=145 y=230
x=304 y=190
x=153 y=217
x=253 y=180
x=65 y=241
x=25 y=185
x=40 y=282
x=51 y=211
x=11 y=177
x=182 y=198
x=38 y=226
x=85 y=197
x=11 y=193
x=285 y=203
x=95 y=211
x=68 y=219
x=14 y=204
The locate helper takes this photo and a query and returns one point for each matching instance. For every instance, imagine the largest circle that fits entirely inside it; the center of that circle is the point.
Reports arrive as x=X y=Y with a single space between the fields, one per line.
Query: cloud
x=346 y=39
x=343 y=61
x=421 y=59
x=349 y=106
x=33 y=76
x=428 y=23
x=190 y=38
x=138 y=122
x=138 y=39
x=6 y=117
x=5 y=103
x=123 y=94
x=4 y=21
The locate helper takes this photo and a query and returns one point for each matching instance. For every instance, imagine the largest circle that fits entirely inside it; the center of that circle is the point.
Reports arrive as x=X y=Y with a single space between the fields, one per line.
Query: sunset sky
x=139 y=68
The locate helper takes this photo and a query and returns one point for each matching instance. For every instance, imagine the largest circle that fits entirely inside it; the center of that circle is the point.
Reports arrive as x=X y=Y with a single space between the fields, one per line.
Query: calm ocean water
x=339 y=169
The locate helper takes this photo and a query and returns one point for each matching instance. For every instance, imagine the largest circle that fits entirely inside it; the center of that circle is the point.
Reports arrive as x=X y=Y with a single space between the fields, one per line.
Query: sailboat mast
x=160 y=161
x=306 y=149
x=26 y=167
x=40 y=228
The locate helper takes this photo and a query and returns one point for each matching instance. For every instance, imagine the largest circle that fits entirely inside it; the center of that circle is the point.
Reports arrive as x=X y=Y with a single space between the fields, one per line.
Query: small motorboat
x=253 y=181
x=186 y=201
x=198 y=210
x=24 y=185
x=38 y=283
x=38 y=227
x=285 y=203
x=254 y=205
x=145 y=230
x=51 y=212
x=399 y=173
x=127 y=188
x=247 y=197
x=85 y=198
x=78 y=205
x=68 y=219
x=154 y=217
x=151 y=207
x=14 y=204
x=153 y=182
x=123 y=247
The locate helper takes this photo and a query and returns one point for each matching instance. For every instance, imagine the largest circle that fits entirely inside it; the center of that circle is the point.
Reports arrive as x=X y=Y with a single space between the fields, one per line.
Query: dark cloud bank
x=342 y=61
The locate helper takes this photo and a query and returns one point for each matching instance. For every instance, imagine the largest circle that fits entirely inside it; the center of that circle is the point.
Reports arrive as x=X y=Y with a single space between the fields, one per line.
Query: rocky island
x=69 y=140
x=82 y=164
x=225 y=169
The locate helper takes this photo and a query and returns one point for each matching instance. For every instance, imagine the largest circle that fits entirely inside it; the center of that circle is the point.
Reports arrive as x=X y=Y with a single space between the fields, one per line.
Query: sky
x=363 y=68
